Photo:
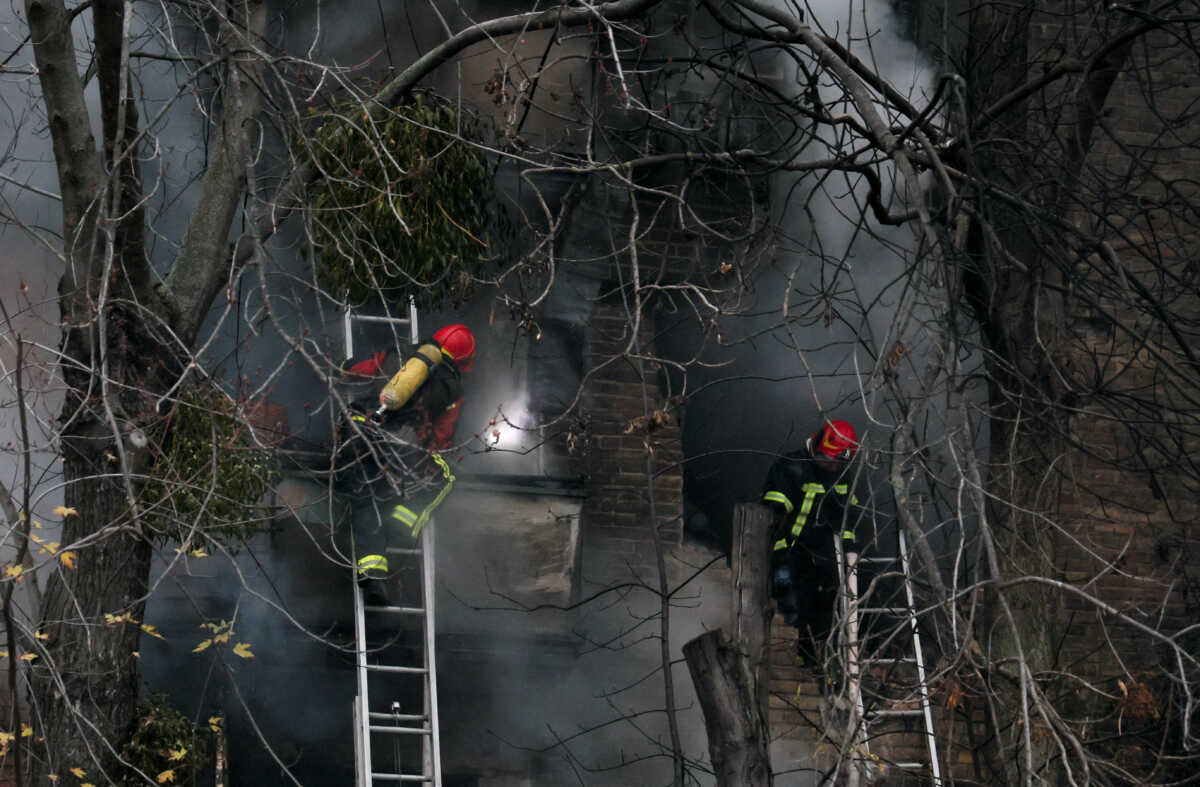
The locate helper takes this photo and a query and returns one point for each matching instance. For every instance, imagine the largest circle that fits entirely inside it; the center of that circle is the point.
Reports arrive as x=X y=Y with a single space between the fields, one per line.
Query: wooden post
x=731 y=670
x=737 y=729
x=751 y=607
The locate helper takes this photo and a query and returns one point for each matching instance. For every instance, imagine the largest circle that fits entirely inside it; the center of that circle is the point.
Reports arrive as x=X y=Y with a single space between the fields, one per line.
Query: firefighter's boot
x=372 y=579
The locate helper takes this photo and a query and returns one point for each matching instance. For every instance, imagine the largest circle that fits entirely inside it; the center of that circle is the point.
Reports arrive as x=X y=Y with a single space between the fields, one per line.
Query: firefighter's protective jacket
x=809 y=504
x=433 y=410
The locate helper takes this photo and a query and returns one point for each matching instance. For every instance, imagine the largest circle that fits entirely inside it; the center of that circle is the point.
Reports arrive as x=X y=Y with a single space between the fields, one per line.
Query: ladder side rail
x=360 y=768
x=848 y=603
x=434 y=739
x=362 y=721
x=923 y=683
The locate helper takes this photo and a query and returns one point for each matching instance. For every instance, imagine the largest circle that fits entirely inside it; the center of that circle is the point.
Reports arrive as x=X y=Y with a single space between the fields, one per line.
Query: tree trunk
x=737 y=728
x=85 y=691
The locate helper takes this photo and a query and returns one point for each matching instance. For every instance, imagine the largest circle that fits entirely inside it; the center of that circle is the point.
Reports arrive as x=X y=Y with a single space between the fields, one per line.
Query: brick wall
x=617 y=539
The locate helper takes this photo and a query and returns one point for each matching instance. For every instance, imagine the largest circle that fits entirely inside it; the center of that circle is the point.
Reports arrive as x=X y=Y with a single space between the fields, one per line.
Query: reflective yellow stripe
x=416 y=522
x=370 y=562
x=781 y=544
x=437 y=501
x=779 y=497
x=359 y=418
x=844 y=489
x=810 y=494
x=404 y=514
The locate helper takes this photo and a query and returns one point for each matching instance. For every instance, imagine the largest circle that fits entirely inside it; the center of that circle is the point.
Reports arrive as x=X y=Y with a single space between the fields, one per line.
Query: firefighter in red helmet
x=420 y=394
x=809 y=492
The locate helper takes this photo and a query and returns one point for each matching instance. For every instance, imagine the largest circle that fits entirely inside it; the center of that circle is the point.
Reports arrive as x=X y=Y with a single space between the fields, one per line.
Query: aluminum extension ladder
x=394 y=724
x=848 y=574
x=397 y=722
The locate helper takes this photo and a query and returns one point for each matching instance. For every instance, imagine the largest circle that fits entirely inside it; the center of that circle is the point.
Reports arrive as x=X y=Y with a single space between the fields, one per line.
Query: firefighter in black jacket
x=808 y=491
x=419 y=398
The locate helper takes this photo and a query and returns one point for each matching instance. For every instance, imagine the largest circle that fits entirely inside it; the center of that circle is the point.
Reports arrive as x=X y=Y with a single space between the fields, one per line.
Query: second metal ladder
x=855 y=664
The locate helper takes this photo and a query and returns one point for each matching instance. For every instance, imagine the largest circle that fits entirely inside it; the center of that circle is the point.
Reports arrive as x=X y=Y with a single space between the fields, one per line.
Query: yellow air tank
x=412 y=375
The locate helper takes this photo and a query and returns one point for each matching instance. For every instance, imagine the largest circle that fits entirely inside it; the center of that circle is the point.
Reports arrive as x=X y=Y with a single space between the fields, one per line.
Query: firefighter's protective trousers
x=379 y=524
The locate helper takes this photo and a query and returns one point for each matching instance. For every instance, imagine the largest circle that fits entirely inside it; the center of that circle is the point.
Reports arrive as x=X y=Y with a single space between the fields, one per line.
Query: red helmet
x=835 y=440
x=458 y=341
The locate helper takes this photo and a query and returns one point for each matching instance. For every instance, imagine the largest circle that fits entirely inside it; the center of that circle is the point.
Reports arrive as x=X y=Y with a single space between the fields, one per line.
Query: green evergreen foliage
x=209 y=470
x=162 y=740
x=408 y=208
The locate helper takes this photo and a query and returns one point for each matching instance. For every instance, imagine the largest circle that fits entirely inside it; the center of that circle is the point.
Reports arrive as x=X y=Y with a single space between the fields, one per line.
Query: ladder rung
x=400 y=777
x=399 y=730
x=389 y=668
x=884 y=611
x=396 y=716
x=896 y=712
x=398 y=610
x=904 y=660
x=379 y=318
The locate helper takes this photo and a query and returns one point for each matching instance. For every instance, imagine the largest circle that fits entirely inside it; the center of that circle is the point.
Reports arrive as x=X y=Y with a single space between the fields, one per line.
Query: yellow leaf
x=87 y=784
x=177 y=754
x=6 y=737
x=14 y=570
x=214 y=723
x=199 y=553
x=26 y=731
x=52 y=777
x=243 y=649
x=35 y=538
x=40 y=635
x=202 y=646
x=222 y=637
x=51 y=547
x=79 y=773
x=166 y=776
x=64 y=512
x=68 y=559
x=29 y=657
x=3 y=654
x=146 y=627
x=955 y=698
